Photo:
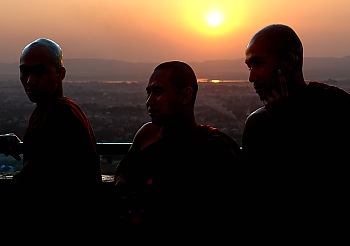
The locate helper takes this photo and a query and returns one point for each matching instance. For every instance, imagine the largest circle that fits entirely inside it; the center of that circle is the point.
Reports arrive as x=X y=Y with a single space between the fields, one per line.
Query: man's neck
x=179 y=128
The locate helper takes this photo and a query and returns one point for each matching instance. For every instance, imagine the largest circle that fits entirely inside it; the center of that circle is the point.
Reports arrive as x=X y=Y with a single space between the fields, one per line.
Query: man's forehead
x=153 y=84
x=161 y=77
x=253 y=52
x=36 y=55
x=258 y=48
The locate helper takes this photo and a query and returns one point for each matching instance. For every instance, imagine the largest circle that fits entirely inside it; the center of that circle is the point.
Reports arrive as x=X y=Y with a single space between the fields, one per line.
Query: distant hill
x=315 y=68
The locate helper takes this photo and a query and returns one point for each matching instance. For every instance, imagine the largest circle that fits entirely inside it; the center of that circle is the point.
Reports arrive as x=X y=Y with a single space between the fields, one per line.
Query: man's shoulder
x=329 y=98
x=209 y=132
x=67 y=106
x=257 y=114
x=65 y=112
x=148 y=129
x=214 y=135
x=65 y=102
x=148 y=133
x=62 y=104
x=327 y=90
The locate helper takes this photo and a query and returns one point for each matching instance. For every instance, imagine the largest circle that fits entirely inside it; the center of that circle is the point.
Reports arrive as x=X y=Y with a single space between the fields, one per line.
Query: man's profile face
x=263 y=67
x=163 y=101
x=38 y=75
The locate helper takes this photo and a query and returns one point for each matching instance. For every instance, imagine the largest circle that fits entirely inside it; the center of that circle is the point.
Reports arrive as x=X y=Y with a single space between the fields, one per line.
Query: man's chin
x=265 y=102
x=262 y=97
x=33 y=98
x=156 y=122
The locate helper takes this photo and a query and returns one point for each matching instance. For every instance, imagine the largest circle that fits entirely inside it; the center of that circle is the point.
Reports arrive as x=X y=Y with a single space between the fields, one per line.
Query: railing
x=102 y=148
x=113 y=148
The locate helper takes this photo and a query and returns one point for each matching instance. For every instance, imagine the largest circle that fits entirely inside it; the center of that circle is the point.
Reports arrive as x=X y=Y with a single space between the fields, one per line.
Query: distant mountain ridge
x=315 y=68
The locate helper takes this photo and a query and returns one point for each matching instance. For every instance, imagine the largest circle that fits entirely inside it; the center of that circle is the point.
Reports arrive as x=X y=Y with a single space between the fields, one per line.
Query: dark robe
x=296 y=154
x=185 y=180
x=61 y=174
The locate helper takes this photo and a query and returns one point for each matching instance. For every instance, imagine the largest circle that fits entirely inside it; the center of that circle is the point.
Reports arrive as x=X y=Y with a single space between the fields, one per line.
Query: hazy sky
x=159 y=30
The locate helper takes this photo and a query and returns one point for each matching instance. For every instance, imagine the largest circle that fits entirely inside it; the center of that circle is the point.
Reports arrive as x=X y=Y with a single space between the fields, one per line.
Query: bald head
x=280 y=40
x=51 y=49
x=181 y=76
x=42 y=71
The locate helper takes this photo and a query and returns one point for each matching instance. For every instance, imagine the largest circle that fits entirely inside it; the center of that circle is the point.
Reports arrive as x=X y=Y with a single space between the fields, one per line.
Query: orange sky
x=158 y=30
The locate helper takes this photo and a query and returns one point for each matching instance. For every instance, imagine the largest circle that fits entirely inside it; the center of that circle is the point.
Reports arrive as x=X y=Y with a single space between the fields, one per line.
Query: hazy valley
x=114 y=98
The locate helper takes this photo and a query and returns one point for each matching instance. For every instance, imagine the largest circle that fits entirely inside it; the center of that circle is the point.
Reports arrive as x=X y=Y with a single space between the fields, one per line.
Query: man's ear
x=292 y=60
x=187 y=95
x=62 y=73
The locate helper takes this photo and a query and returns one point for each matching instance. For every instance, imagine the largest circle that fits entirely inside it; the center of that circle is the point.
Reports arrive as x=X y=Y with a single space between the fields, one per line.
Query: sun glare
x=214 y=19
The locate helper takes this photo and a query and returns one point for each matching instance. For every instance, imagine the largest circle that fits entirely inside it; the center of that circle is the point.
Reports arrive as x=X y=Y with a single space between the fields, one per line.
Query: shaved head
x=280 y=40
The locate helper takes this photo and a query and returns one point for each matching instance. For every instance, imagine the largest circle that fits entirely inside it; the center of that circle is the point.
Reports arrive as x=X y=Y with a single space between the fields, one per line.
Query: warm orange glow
x=158 y=30
x=215 y=81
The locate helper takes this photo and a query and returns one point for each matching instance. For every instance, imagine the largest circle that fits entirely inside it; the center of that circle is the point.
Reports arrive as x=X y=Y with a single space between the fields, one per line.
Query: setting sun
x=214 y=19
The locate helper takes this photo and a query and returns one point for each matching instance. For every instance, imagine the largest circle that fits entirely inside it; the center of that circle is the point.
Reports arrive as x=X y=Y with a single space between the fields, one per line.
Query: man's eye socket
x=36 y=70
x=24 y=70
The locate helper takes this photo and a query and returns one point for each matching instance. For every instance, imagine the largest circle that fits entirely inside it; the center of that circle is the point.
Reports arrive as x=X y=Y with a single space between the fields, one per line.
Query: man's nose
x=150 y=100
x=252 y=75
x=31 y=79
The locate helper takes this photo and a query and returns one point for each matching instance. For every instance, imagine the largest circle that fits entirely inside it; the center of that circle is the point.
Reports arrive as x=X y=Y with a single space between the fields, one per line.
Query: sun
x=214 y=19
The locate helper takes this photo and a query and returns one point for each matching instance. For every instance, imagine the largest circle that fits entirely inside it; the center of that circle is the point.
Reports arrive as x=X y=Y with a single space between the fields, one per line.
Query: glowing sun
x=214 y=19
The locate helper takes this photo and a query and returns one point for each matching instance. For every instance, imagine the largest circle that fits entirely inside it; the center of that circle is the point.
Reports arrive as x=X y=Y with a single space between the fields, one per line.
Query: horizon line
x=218 y=59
